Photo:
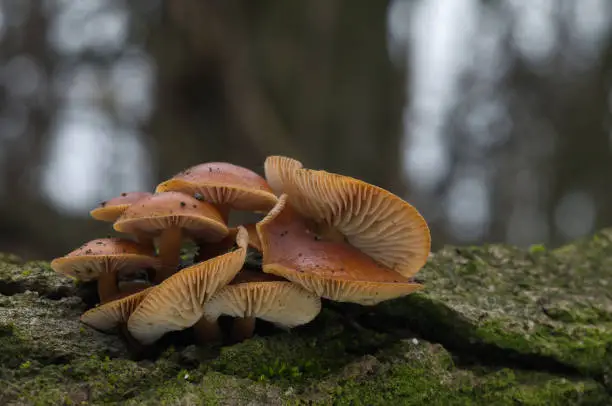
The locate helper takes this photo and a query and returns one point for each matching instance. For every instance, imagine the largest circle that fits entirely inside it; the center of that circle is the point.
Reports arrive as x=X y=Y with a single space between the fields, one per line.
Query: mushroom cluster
x=321 y=235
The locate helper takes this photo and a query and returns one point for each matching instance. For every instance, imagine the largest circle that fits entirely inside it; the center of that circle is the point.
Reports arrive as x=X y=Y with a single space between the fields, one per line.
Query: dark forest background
x=492 y=117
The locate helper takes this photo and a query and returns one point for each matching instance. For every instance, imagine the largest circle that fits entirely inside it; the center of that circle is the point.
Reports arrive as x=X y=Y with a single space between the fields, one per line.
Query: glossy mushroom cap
x=111 y=209
x=105 y=254
x=373 y=220
x=178 y=302
x=107 y=316
x=264 y=296
x=222 y=183
x=333 y=270
x=160 y=211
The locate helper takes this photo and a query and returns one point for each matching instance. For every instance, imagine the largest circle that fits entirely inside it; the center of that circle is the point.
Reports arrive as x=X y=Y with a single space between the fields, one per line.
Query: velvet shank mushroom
x=172 y=216
x=254 y=295
x=111 y=209
x=341 y=208
x=102 y=259
x=178 y=302
x=331 y=269
x=225 y=185
x=112 y=314
x=279 y=168
x=115 y=313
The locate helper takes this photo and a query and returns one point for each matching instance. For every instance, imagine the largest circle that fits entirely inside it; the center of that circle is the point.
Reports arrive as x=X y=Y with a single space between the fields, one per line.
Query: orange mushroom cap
x=372 y=219
x=102 y=255
x=157 y=212
x=333 y=270
x=111 y=209
x=222 y=183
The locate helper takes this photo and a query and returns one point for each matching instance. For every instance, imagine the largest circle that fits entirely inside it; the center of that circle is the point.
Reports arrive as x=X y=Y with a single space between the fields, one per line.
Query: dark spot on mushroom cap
x=194 y=206
x=123 y=194
x=183 y=204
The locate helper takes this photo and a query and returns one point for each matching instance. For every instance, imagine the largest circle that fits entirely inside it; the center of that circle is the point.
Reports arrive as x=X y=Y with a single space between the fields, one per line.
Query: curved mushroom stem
x=145 y=239
x=242 y=328
x=224 y=210
x=169 y=252
x=207 y=250
x=207 y=331
x=108 y=286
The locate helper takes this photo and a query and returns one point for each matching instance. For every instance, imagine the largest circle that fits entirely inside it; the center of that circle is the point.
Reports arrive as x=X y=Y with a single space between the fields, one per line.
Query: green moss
x=306 y=354
x=35 y=276
x=410 y=372
x=537 y=249
x=417 y=373
x=541 y=304
x=554 y=304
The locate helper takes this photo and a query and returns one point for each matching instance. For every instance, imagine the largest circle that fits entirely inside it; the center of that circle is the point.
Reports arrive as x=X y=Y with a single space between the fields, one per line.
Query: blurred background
x=492 y=117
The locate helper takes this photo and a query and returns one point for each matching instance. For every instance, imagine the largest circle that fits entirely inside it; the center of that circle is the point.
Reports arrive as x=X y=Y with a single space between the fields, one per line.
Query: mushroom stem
x=108 y=286
x=145 y=239
x=224 y=210
x=206 y=331
x=208 y=250
x=242 y=328
x=169 y=252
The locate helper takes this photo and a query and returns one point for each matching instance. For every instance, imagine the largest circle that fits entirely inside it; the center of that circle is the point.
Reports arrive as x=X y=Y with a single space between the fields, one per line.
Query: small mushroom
x=254 y=295
x=225 y=185
x=331 y=269
x=102 y=259
x=111 y=209
x=172 y=216
x=341 y=208
x=115 y=314
x=178 y=302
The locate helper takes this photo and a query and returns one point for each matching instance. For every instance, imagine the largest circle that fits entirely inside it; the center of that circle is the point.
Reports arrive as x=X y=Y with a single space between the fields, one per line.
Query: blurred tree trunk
x=313 y=80
x=29 y=225
x=583 y=159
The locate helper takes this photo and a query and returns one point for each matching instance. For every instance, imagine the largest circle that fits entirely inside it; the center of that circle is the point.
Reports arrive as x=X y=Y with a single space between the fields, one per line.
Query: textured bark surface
x=496 y=325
